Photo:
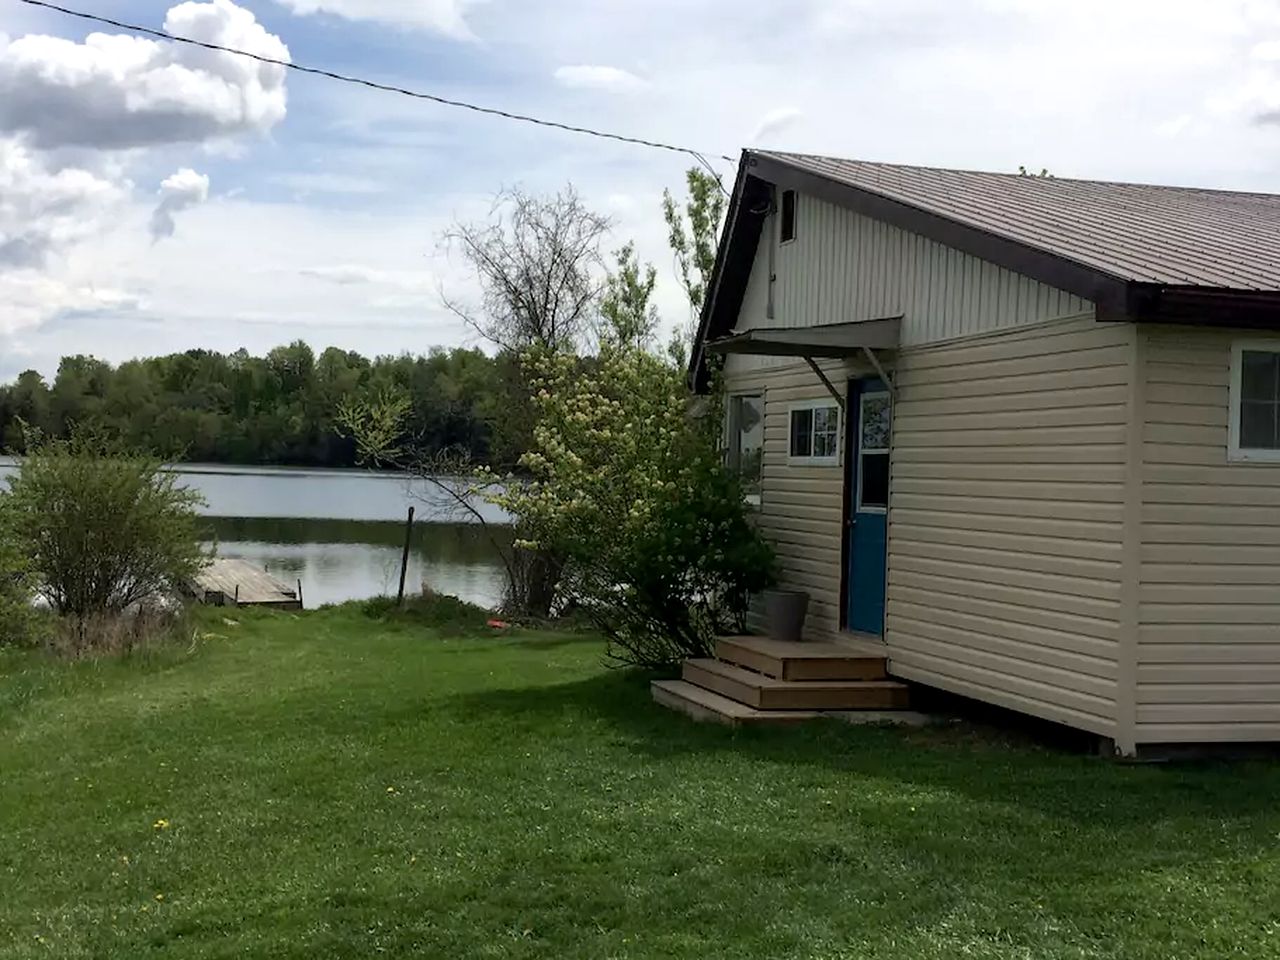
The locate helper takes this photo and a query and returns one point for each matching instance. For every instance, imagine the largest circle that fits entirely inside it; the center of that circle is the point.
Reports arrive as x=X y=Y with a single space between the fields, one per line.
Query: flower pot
x=784 y=612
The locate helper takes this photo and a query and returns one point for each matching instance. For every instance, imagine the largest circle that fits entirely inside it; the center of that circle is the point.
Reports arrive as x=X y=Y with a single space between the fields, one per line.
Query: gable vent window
x=788 y=215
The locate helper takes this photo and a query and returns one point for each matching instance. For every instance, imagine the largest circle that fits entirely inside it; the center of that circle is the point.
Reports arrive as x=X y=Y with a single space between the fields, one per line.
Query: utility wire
x=388 y=88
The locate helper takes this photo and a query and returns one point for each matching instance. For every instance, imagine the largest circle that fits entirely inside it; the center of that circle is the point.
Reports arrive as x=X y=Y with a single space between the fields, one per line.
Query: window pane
x=875 y=480
x=749 y=423
x=802 y=433
x=788 y=215
x=826 y=432
x=875 y=423
x=1258 y=375
x=1258 y=425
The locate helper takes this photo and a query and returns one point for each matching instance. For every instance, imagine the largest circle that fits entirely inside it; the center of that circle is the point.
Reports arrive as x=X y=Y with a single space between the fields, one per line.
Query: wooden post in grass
x=300 y=604
x=404 y=559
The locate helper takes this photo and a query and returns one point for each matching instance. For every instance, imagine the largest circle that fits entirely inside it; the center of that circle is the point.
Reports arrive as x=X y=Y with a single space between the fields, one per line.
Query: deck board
x=233 y=582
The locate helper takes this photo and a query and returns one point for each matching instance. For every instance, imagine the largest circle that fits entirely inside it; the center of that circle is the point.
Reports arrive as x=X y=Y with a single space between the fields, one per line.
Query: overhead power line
x=385 y=87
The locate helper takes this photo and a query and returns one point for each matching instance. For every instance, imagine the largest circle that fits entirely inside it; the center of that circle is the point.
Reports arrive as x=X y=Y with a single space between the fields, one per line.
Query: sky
x=156 y=197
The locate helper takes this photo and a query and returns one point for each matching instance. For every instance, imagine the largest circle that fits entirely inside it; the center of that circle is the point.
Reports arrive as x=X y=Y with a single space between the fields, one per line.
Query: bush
x=19 y=623
x=633 y=492
x=133 y=632
x=106 y=532
x=447 y=614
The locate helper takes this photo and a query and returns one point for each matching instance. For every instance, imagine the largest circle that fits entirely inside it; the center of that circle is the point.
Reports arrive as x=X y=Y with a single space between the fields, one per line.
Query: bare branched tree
x=540 y=270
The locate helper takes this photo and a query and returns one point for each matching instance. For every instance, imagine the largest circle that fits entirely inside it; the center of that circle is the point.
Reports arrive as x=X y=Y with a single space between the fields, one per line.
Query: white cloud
x=114 y=91
x=447 y=17
x=331 y=183
x=594 y=77
x=45 y=210
x=75 y=117
x=775 y=122
x=181 y=191
x=1267 y=51
x=352 y=274
x=30 y=297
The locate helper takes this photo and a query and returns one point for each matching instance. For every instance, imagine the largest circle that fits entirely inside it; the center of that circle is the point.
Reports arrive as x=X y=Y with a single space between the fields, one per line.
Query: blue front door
x=870 y=415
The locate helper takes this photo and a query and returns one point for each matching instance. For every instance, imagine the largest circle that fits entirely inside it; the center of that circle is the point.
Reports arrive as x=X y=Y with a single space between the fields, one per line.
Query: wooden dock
x=228 y=582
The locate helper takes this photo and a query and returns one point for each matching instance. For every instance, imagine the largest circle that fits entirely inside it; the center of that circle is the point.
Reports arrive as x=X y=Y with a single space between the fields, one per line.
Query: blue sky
x=297 y=207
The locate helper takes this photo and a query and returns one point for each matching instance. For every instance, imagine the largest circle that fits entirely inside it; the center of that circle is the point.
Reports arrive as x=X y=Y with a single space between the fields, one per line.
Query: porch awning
x=831 y=340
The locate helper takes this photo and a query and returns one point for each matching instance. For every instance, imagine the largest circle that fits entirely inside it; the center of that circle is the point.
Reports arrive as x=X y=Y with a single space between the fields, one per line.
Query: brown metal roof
x=1171 y=236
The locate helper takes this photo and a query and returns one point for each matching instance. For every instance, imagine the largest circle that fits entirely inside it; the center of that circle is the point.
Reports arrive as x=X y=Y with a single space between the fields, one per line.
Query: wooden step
x=705 y=705
x=769 y=693
x=800 y=661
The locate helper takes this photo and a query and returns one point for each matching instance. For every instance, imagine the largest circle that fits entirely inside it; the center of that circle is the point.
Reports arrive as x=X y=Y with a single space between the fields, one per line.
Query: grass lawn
x=328 y=785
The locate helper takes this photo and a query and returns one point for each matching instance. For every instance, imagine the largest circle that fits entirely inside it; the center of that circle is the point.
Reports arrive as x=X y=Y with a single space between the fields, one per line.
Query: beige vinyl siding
x=1209 y=632
x=844 y=266
x=1006 y=529
x=801 y=509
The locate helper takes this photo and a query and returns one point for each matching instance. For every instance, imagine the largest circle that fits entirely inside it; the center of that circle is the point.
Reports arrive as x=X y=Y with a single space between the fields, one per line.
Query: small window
x=815 y=433
x=875 y=413
x=1255 y=402
x=788 y=215
x=746 y=441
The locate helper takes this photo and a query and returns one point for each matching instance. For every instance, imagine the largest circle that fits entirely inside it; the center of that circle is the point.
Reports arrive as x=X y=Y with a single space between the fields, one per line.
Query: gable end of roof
x=941 y=205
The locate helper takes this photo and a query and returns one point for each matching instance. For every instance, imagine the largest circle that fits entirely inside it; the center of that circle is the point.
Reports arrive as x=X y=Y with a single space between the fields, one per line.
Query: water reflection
x=339 y=560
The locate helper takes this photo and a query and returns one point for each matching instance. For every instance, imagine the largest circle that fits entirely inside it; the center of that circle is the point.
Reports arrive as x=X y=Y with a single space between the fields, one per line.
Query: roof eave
x=1204 y=306
x=735 y=256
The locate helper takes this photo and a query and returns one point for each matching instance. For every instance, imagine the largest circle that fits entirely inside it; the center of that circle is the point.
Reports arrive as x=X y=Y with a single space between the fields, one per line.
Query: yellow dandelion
x=161 y=825
x=159 y=897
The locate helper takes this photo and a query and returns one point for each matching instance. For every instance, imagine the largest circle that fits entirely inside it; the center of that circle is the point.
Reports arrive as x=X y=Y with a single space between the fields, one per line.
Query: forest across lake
x=280 y=409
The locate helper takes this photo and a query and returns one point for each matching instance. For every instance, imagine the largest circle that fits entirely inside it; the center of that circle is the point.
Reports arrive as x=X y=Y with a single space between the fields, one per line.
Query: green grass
x=341 y=785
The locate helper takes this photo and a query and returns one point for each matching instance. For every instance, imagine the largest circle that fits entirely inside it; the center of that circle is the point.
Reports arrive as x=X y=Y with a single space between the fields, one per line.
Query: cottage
x=1021 y=433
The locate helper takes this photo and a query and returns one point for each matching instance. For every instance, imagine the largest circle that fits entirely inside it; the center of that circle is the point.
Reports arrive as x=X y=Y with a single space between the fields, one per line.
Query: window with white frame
x=1255 y=401
x=745 y=436
x=815 y=433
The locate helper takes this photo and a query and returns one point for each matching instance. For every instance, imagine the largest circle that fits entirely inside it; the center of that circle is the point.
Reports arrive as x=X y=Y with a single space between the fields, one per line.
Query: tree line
x=282 y=408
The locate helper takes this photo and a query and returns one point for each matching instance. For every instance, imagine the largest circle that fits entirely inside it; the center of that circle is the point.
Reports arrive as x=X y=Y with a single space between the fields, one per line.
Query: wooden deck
x=238 y=583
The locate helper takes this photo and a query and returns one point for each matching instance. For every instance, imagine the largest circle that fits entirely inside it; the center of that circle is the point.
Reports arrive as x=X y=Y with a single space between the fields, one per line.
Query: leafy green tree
x=633 y=494
x=26 y=406
x=628 y=315
x=693 y=231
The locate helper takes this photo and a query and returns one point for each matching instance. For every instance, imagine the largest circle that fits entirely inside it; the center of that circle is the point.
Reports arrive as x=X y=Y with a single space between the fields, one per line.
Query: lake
x=341 y=532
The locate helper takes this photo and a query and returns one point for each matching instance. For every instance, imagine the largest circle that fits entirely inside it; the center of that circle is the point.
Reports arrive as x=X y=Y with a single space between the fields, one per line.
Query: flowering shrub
x=632 y=492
